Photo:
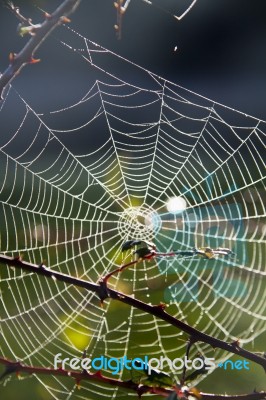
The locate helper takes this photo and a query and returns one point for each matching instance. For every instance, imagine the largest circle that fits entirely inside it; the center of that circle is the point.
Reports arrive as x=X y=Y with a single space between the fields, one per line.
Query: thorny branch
x=38 y=34
x=18 y=368
x=104 y=292
x=158 y=311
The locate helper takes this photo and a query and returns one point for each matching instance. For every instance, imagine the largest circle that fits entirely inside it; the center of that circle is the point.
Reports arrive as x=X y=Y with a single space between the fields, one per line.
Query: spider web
x=79 y=179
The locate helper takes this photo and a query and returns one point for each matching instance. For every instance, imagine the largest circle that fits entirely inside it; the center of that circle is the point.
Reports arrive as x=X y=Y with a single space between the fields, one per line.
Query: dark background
x=220 y=44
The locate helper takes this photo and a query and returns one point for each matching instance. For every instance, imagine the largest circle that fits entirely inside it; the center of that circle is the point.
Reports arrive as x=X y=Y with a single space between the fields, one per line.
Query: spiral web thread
x=81 y=178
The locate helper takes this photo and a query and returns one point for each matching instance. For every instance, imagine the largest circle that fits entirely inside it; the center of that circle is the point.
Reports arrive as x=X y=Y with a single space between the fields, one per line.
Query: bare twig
x=103 y=292
x=120 y=269
x=150 y=253
x=15 y=10
x=38 y=35
x=189 y=344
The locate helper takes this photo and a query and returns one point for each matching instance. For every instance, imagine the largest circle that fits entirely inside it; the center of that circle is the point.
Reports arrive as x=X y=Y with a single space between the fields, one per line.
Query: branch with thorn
x=20 y=368
x=103 y=292
x=38 y=33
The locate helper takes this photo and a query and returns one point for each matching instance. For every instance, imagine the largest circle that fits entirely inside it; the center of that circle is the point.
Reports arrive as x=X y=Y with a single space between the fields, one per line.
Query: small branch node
x=192 y=340
x=11 y=367
x=31 y=30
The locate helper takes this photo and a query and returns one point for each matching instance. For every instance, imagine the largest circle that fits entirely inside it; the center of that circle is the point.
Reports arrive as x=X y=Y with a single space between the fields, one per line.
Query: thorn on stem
x=103 y=291
x=160 y=307
x=34 y=60
x=18 y=375
x=19 y=257
x=12 y=57
x=236 y=344
x=65 y=20
x=98 y=374
x=60 y=367
x=142 y=389
x=42 y=265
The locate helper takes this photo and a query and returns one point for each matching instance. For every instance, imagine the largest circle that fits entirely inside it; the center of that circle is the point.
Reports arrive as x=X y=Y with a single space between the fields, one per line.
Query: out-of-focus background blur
x=217 y=49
